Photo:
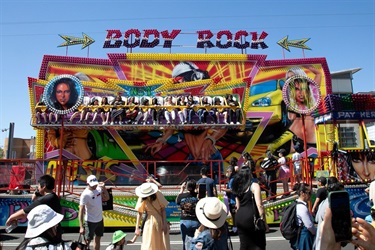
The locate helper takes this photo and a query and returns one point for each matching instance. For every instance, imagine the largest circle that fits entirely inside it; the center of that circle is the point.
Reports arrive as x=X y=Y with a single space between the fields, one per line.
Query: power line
x=194 y=33
x=182 y=18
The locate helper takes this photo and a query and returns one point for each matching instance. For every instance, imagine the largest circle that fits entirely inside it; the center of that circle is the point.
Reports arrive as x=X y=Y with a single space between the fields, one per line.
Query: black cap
x=282 y=150
x=322 y=180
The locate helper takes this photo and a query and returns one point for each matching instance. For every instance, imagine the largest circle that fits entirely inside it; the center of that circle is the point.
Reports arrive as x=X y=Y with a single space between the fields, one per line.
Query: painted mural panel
x=180 y=110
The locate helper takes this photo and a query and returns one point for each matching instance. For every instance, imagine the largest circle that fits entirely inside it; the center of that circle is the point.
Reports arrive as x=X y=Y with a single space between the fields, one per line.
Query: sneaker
x=120 y=122
x=104 y=123
x=234 y=229
x=231 y=123
x=283 y=141
x=238 y=123
x=112 y=123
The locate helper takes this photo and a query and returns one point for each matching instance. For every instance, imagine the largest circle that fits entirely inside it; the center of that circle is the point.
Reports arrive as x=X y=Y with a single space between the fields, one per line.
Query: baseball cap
x=92 y=181
x=323 y=180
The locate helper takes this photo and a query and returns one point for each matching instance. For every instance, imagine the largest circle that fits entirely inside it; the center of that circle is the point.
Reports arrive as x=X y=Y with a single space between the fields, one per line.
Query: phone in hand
x=341 y=217
x=202 y=190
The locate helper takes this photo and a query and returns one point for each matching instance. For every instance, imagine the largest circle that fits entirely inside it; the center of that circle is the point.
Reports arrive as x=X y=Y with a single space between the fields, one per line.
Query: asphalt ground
x=274 y=239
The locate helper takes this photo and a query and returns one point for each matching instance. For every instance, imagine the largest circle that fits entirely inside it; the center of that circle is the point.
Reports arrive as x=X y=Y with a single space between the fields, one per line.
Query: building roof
x=345 y=71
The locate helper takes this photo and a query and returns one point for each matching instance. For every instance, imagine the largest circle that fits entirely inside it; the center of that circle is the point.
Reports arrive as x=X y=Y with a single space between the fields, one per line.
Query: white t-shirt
x=92 y=200
x=282 y=162
x=296 y=158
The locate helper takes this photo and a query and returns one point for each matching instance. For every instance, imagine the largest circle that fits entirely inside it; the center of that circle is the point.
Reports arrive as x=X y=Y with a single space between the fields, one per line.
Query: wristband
x=211 y=138
x=160 y=140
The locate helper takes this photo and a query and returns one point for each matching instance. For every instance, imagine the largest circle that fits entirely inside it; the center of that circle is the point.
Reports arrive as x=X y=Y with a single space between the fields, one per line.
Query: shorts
x=93 y=228
x=297 y=170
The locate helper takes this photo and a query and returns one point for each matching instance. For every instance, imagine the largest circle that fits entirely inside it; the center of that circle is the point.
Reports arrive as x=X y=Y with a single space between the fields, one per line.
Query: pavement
x=274 y=239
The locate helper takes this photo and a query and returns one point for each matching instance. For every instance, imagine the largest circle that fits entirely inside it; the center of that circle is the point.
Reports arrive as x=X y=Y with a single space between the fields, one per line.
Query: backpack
x=289 y=223
x=268 y=163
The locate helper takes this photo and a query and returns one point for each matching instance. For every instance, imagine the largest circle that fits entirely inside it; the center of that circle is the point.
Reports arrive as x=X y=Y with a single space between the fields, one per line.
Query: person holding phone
x=333 y=184
x=208 y=183
x=187 y=200
x=43 y=195
x=363 y=232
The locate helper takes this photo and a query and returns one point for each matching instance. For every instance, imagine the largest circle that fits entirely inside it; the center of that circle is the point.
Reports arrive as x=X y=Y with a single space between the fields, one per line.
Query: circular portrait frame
x=60 y=105
x=311 y=97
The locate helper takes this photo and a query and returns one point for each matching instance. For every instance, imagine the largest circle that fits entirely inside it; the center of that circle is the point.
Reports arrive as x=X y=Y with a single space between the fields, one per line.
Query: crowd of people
x=204 y=217
x=137 y=110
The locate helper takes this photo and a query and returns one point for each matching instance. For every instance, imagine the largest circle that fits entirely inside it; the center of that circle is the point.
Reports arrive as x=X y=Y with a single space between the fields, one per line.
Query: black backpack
x=289 y=223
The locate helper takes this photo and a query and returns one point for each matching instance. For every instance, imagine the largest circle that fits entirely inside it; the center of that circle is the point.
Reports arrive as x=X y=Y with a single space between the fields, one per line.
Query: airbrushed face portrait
x=63 y=94
x=301 y=94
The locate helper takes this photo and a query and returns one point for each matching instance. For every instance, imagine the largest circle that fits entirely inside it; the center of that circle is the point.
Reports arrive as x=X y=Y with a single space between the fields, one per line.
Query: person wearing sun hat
x=213 y=231
x=155 y=233
x=118 y=241
x=91 y=211
x=41 y=232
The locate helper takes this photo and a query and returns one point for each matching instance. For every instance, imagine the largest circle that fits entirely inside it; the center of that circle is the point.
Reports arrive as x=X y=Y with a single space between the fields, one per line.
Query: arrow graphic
x=71 y=40
x=299 y=43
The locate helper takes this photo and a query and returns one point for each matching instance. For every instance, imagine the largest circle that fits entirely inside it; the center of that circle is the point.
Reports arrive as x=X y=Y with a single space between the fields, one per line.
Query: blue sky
x=342 y=31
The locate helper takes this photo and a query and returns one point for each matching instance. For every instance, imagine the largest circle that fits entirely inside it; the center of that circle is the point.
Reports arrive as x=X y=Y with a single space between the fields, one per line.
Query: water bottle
x=12 y=226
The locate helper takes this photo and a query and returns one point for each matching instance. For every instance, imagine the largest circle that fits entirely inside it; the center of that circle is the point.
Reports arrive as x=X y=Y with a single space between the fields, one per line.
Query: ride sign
x=132 y=39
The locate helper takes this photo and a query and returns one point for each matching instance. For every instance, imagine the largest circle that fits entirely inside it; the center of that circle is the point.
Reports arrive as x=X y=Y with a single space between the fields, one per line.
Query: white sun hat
x=211 y=212
x=146 y=189
x=41 y=218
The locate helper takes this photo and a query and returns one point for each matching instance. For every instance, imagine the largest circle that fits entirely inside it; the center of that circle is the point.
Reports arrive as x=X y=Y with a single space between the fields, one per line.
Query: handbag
x=259 y=223
x=108 y=205
x=79 y=245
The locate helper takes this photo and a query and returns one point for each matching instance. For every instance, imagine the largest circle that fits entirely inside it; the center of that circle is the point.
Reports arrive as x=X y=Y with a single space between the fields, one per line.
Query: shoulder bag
x=259 y=223
x=79 y=245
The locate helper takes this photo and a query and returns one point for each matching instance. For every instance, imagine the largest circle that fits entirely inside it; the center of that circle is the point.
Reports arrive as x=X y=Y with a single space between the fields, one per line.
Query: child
x=118 y=241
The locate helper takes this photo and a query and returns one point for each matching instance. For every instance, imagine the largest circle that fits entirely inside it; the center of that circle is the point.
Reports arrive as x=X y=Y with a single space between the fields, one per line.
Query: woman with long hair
x=212 y=234
x=155 y=233
x=230 y=174
x=300 y=94
x=187 y=199
x=64 y=94
x=248 y=197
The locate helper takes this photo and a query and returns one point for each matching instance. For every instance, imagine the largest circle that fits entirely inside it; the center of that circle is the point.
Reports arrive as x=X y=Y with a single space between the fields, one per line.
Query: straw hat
x=146 y=189
x=211 y=212
x=40 y=219
x=117 y=236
